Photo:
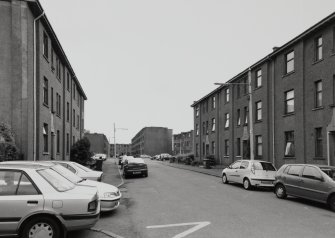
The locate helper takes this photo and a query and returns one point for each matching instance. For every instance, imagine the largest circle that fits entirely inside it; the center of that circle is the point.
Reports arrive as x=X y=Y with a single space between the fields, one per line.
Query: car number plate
x=136 y=172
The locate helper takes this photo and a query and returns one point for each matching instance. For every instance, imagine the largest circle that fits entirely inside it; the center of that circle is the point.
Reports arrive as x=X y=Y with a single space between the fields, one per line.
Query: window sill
x=286 y=158
x=258 y=121
x=46 y=58
x=289 y=114
x=319 y=158
x=226 y=156
x=226 y=128
x=317 y=108
x=238 y=156
x=45 y=153
x=46 y=105
x=256 y=88
x=288 y=74
x=317 y=61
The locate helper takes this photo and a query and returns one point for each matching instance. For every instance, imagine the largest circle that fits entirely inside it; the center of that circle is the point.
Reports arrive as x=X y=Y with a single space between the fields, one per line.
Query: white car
x=80 y=170
x=250 y=173
x=108 y=194
x=125 y=159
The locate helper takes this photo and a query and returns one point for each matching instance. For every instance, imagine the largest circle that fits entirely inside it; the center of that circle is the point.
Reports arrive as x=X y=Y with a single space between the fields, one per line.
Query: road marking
x=198 y=226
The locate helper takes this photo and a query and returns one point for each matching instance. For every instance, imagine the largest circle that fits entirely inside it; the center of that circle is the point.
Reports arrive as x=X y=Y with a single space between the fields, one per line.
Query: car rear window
x=264 y=166
x=56 y=180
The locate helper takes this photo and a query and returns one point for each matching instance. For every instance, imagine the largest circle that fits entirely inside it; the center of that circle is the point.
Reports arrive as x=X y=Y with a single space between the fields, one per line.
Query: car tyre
x=280 y=191
x=48 y=226
x=246 y=184
x=331 y=202
x=224 y=179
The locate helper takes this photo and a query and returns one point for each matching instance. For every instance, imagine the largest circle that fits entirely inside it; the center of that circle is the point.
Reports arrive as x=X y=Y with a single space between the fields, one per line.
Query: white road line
x=198 y=226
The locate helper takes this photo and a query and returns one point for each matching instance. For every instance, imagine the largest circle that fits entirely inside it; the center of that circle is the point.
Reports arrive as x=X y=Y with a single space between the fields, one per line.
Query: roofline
x=36 y=5
x=272 y=54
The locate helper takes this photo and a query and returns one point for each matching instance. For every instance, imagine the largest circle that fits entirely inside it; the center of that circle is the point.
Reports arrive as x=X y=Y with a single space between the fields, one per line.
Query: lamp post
x=251 y=126
x=115 y=138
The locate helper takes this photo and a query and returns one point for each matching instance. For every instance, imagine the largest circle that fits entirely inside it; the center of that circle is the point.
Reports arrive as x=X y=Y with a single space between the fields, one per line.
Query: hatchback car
x=36 y=201
x=80 y=170
x=250 y=173
x=135 y=166
x=313 y=182
x=109 y=195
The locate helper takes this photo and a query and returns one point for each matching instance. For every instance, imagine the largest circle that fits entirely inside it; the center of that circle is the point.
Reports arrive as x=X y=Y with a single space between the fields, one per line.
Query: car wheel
x=280 y=191
x=41 y=227
x=246 y=184
x=331 y=202
x=224 y=179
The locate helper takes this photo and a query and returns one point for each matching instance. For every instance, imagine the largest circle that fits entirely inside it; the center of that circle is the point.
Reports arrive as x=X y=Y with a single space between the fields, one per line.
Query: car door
x=292 y=178
x=243 y=171
x=313 y=185
x=232 y=171
x=19 y=197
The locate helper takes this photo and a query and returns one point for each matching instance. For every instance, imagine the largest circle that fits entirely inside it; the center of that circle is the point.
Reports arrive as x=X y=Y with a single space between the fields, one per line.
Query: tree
x=80 y=151
x=8 y=149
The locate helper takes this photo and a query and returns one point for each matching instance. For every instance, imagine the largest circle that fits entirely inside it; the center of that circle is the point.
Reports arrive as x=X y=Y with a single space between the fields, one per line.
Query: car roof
x=28 y=162
x=136 y=160
x=316 y=165
x=23 y=166
x=263 y=161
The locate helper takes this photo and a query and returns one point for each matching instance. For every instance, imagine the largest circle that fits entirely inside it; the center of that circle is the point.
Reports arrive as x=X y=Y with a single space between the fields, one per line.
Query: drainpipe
x=34 y=87
x=251 y=114
x=328 y=149
x=273 y=111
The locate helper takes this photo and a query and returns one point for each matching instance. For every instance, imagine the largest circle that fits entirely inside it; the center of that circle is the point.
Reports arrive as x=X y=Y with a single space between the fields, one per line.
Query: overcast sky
x=143 y=62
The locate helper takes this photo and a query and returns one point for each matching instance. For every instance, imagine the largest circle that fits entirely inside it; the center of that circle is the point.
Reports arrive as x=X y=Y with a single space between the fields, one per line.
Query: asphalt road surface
x=175 y=203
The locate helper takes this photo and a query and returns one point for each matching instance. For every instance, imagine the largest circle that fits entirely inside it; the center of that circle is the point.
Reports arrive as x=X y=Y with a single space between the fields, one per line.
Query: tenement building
x=121 y=149
x=183 y=143
x=40 y=95
x=281 y=109
x=152 y=141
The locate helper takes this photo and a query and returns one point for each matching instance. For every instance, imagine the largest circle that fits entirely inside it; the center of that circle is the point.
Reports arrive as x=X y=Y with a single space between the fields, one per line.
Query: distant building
x=152 y=141
x=183 y=143
x=121 y=149
x=99 y=143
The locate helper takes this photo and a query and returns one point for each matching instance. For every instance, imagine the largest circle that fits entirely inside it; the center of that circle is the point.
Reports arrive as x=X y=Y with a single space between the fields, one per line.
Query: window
x=238 y=122
x=58 y=142
x=58 y=104
x=226 y=124
x=259 y=111
x=246 y=112
x=294 y=170
x=238 y=90
x=289 y=101
x=244 y=164
x=318 y=142
x=45 y=137
x=197 y=150
x=46 y=92
x=226 y=147
x=245 y=85
x=226 y=95
x=57 y=68
x=74 y=118
x=68 y=82
x=52 y=100
x=318 y=48
x=311 y=173
x=67 y=111
x=213 y=102
x=77 y=122
x=52 y=60
x=236 y=165
x=259 y=146
x=289 y=62
x=203 y=148
x=196 y=129
x=258 y=78
x=213 y=147
x=206 y=127
x=15 y=183
x=197 y=111
x=318 y=94
x=213 y=124
x=74 y=91
x=67 y=143
x=289 y=144
x=45 y=45
x=238 y=147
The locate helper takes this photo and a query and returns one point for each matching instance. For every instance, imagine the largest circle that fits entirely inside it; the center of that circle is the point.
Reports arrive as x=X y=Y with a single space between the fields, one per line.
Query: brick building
x=40 y=97
x=292 y=105
x=183 y=143
x=121 y=149
x=99 y=143
x=152 y=141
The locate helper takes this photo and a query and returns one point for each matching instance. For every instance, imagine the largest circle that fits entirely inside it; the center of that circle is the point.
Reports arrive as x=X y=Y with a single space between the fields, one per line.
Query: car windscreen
x=57 y=181
x=264 y=166
x=330 y=172
x=67 y=174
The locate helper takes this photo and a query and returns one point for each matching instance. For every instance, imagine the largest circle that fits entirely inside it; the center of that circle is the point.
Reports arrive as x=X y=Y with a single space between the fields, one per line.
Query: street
x=172 y=196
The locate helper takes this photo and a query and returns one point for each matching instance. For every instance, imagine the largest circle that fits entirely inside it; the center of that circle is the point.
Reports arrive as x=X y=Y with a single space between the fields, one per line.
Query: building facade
x=121 y=149
x=40 y=95
x=152 y=141
x=183 y=143
x=289 y=116
x=99 y=143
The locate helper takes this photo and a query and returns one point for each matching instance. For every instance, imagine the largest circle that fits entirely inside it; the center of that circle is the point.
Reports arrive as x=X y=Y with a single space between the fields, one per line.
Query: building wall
x=121 y=149
x=183 y=143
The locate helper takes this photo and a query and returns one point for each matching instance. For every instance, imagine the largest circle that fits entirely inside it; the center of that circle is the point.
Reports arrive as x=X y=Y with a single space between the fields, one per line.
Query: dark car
x=135 y=166
x=313 y=182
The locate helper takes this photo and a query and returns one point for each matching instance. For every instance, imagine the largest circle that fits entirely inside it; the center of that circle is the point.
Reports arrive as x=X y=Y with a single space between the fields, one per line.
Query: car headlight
x=111 y=194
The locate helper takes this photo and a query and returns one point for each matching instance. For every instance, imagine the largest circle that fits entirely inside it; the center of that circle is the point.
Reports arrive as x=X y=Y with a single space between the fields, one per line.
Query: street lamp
x=251 y=126
x=115 y=138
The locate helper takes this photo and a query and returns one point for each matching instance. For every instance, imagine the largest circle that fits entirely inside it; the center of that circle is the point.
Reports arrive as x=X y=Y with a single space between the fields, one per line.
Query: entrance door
x=246 y=149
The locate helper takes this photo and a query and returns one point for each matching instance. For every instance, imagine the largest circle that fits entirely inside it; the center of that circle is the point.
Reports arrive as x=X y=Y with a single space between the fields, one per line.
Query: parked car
x=99 y=157
x=165 y=156
x=250 y=173
x=109 y=195
x=135 y=166
x=313 y=182
x=81 y=170
x=36 y=201
x=145 y=156
x=125 y=160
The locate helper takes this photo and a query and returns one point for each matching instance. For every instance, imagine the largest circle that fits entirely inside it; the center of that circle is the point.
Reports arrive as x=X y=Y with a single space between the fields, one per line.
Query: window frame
x=45 y=48
x=226 y=120
x=318 y=48
x=259 y=146
x=288 y=61
x=258 y=111
x=46 y=91
x=318 y=142
x=258 y=76
x=287 y=141
x=317 y=92
x=288 y=100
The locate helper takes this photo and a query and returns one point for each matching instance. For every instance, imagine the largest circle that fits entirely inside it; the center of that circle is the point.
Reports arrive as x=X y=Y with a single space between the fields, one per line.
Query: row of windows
x=289 y=150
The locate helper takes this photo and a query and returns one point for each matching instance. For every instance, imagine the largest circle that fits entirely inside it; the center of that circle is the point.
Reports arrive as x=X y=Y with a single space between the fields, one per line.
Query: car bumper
x=259 y=182
x=109 y=205
x=136 y=172
x=79 y=222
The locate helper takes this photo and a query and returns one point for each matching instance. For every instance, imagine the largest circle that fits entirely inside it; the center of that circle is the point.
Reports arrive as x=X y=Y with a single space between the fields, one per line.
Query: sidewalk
x=111 y=172
x=214 y=171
